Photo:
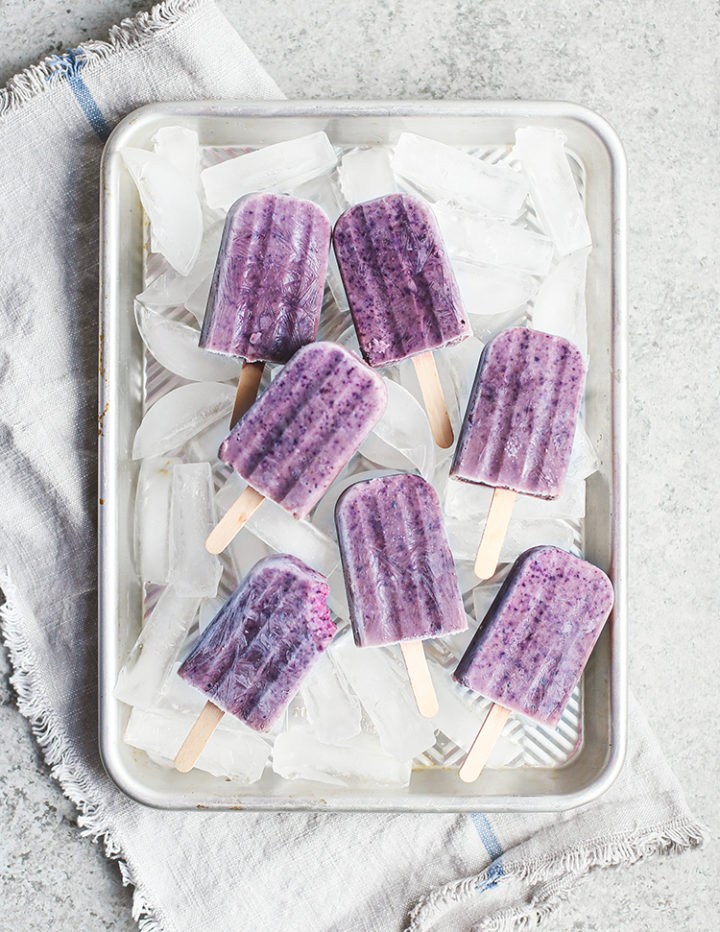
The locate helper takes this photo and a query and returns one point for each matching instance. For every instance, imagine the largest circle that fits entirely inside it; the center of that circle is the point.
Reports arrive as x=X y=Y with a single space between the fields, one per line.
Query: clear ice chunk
x=483 y=597
x=281 y=167
x=559 y=207
x=366 y=174
x=337 y=597
x=447 y=173
x=299 y=755
x=181 y=414
x=152 y=518
x=207 y=611
x=402 y=438
x=193 y=571
x=282 y=533
x=492 y=242
x=203 y=447
x=240 y=757
x=175 y=346
x=333 y=712
x=386 y=696
x=180 y=147
x=559 y=306
x=142 y=678
x=171 y=204
x=487 y=291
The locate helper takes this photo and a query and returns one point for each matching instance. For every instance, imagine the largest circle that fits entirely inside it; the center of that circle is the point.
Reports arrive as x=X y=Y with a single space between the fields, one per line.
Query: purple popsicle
x=267 y=290
x=399 y=571
x=520 y=421
x=400 y=286
x=538 y=634
x=294 y=441
x=253 y=656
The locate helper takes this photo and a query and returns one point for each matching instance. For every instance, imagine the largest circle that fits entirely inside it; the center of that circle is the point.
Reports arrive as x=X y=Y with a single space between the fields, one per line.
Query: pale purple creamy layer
x=267 y=290
x=302 y=431
x=537 y=636
x=400 y=286
x=255 y=653
x=399 y=571
x=520 y=421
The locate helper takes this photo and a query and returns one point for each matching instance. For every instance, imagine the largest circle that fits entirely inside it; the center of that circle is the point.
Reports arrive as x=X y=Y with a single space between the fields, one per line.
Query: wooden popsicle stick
x=235 y=517
x=493 y=536
x=248 y=385
x=198 y=737
x=419 y=675
x=435 y=405
x=483 y=744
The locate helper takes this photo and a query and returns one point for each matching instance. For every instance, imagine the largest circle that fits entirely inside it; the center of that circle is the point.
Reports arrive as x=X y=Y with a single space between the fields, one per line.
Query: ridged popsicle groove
x=520 y=422
x=269 y=280
x=398 y=567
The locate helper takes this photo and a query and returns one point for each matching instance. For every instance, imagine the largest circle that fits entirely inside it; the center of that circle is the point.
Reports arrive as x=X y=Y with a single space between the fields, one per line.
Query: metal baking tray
x=597 y=755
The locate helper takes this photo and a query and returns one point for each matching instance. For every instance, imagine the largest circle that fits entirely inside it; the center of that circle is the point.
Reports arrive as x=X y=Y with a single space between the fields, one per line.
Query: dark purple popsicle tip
x=520 y=420
x=530 y=650
x=401 y=288
x=255 y=653
x=267 y=290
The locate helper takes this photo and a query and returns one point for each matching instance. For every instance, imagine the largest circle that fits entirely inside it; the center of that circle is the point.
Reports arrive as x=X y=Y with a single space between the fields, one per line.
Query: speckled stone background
x=651 y=68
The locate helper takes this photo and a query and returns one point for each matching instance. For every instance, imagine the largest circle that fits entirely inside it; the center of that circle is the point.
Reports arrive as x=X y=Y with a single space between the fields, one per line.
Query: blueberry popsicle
x=399 y=571
x=519 y=426
x=255 y=653
x=402 y=292
x=294 y=441
x=267 y=289
x=529 y=652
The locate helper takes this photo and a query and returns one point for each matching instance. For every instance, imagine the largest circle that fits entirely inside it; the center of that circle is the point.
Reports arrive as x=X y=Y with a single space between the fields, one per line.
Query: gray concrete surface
x=651 y=68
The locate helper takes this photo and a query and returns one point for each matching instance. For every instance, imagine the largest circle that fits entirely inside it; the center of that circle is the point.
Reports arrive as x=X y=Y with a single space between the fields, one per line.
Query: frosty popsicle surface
x=520 y=421
x=253 y=656
x=399 y=570
x=538 y=634
x=267 y=289
x=294 y=441
x=400 y=286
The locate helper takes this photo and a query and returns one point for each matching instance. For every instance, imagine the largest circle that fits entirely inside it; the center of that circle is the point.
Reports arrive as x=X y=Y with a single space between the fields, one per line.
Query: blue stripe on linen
x=493 y=848
x=69 y=66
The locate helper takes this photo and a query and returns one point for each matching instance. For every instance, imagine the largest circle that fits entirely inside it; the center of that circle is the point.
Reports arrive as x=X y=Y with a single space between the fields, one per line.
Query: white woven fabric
x=314 y=872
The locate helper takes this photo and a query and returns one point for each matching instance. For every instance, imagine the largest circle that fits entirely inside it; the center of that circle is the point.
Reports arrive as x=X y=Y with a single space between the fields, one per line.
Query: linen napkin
x=295 y=871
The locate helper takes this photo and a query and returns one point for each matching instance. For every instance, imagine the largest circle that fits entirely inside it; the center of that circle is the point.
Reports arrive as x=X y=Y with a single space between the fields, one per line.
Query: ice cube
x=337 y=598
x=559 y=306
x=492 y=292
x=325 y=193
x=297 y=754
x=491 y=242
x=245 y=551
x=402 y=438
x=152 y=518
x=280 y=167
x=150 y=662
x=172 y=205
x=447 y=173
x=240 y=757
x=170 y=289
x=483 y=597
x=465 y=535
x=193 y=571
x=203 y=447
x=175 y=346
x=541 y=151
x=466 y=500
x=333 y=712
x=207 y=611
x=181 y=414
x=387 y=697
x=366 y=174
x=179 y=147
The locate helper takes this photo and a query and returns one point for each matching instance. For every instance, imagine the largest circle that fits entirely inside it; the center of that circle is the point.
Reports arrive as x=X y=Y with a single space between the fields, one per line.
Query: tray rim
x=107 y=539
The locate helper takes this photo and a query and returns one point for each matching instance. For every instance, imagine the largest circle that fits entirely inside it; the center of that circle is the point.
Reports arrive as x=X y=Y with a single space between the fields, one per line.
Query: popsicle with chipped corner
x=399 y=572
x=402 y=292
x=255 y=653
x=267 y=288
x=528 y=654
x=519 y=426
x=295 y=440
